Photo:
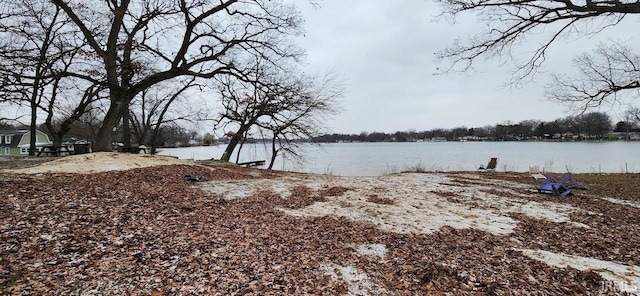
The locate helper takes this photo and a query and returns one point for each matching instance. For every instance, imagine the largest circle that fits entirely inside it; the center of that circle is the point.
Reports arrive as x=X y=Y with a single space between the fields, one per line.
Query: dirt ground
x=113 y=224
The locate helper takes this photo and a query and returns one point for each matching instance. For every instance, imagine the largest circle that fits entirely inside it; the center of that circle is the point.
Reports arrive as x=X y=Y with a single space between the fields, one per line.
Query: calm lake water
x=371 y=159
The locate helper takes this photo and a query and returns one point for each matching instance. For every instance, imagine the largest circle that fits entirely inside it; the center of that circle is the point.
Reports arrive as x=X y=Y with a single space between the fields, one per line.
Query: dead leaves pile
x=148 y=232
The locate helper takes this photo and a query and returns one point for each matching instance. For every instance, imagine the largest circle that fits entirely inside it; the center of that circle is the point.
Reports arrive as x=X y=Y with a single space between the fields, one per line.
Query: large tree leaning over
x=286 y=106
x=510 y=22
x=139 y=43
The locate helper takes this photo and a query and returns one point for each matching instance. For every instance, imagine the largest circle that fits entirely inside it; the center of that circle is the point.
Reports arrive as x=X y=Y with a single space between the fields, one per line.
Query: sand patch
x=100 y=162
x=371 y=250
x=422 y=203
x=357 y=282
x=624 y=278
x=235 y=189
x=634 y=204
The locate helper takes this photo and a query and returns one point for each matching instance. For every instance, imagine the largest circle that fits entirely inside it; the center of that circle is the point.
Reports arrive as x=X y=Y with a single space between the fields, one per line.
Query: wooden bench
x=252 y=163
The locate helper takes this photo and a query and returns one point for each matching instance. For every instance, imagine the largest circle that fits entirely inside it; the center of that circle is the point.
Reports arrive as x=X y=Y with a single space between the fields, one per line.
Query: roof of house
x=13 y=132
x=14 y=140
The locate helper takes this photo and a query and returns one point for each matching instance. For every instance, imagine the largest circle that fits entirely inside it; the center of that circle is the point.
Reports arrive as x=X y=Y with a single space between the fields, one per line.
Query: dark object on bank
x=194 y=179
x=491 y=166
x=134 y=150
x=562 y=187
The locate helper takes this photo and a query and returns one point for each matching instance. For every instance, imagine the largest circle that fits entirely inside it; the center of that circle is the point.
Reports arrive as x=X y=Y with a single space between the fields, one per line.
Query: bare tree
x=285 y=106
x=304 y=115
x=150 y=110
x=626 y=124
x=244 y=103
x=29 y=33
x=633 y=114
x=38 y=55
x=509 y=22
x=632 y=120
x=136 y=44
x=612 y=71
x=596 y=124
x=61 y=117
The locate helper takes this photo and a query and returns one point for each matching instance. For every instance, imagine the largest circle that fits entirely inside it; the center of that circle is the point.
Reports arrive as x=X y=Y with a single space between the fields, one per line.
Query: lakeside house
x=632 y=136
x=16 y=142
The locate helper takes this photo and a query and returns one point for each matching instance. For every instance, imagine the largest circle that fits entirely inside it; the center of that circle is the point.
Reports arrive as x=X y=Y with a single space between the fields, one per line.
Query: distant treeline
x=595 y=126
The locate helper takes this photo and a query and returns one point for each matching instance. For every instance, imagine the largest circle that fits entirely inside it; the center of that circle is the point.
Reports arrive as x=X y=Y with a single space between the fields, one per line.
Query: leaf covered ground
x=146 y=231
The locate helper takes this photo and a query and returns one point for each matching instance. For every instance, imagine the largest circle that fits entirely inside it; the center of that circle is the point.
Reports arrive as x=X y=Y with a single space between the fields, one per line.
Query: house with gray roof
x=16 y=142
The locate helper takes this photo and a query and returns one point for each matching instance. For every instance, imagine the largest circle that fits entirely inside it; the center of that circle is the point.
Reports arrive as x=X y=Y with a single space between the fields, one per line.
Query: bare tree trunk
x=42 y=62
x=154 y=139
x=240 y=149
x=146 y=123
x=274 y=154
x=230 y=147
x=235 y=140
x=125 y=127
x=56 y=135
x=57 y=140
x=32 y=128
x=105 y=134
x=34 y=105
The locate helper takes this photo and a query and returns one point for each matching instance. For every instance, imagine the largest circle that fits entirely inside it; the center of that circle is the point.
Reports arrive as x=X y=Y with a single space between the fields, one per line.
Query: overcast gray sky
x=385 y=51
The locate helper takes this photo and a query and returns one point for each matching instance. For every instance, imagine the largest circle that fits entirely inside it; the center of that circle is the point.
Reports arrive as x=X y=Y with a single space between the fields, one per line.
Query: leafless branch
x=508 y=22
x=607 y=75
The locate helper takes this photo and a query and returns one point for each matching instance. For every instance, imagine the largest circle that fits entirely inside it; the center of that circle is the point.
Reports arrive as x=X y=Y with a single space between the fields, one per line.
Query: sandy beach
x=113 y=224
